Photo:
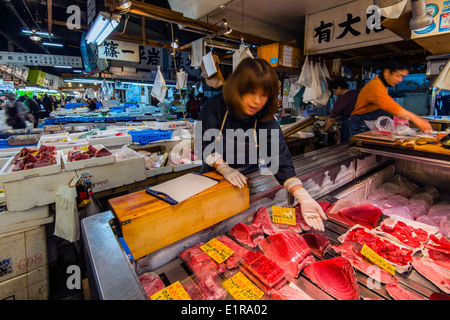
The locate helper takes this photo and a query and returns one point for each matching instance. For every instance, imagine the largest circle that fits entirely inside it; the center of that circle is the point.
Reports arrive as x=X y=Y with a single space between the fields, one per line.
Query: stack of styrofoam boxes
x=24 y=271
x=23 y=241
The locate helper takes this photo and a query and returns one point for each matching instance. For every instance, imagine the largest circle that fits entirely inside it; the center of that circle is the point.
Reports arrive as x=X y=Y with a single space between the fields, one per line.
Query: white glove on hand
x=311 y=210
x=233 y=176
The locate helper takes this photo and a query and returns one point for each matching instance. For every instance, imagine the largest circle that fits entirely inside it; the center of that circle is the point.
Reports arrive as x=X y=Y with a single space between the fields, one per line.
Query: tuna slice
x=439 y=296
x=436 y=274
x=364 y=214
x=289 y=292
x=249 y=235
x=399 y=293
x=317 y=242
x=350 y=251
x=239 y=252
x=289 y=250
x=335 y=276
x=151 y=283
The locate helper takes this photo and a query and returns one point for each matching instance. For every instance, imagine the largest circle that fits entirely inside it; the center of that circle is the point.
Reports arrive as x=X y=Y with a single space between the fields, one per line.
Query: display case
x=339 y=172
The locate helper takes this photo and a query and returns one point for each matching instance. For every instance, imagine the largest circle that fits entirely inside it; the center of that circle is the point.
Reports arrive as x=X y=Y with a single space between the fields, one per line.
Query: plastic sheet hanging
x=181 y=79
x=442 y=81
x=67 y=224
x=240 y=54
x=323 y=78
x=159 y=87
x=198 y=51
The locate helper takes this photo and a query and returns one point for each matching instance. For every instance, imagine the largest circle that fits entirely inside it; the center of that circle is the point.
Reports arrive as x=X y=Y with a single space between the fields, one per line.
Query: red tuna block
x=335 y=276
x=289 y=250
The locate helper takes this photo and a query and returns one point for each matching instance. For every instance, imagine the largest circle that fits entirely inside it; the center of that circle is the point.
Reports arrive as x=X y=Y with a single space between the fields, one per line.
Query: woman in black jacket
x=238 y=129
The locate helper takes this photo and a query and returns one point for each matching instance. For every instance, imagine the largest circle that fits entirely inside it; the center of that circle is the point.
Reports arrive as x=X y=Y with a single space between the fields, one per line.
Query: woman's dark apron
x=357 y=122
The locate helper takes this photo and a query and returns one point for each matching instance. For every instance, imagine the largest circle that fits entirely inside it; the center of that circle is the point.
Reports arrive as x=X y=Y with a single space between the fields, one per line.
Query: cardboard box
x=22 y=251
x=281 y=54
x=33 y=285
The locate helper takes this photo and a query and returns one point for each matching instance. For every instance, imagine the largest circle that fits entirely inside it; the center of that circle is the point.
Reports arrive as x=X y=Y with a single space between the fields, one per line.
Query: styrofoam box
x=6 y=175
x=186 y=166
x=65 y=144
x=53 y=138
x=111 y=140
x=37 y=191
x=125 y=171
x=92 y=162
x=17 y=220
x=22 y=251
x=157 y=171
x=33 y=285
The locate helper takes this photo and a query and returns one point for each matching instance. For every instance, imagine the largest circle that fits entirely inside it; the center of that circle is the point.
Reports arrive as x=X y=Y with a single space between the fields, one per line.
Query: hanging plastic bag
x=159 y=87
x=305 y=77
x=67 y=224
x=312 y=90
x=323 y=92
x=181 y=79
x=240 y=54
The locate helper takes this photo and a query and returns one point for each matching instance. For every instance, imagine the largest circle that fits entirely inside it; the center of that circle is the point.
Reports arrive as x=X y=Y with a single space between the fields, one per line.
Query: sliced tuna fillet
x=399 y=293
x=262 y=220
x=289 y=250
x=317 y=242
x=249 y=235
x=151 y=283
x=289 y=292
x=239 y=252
x=364 y=214
x=335 y=276
x=408 y=235
x=349 y=251
x=436 y=274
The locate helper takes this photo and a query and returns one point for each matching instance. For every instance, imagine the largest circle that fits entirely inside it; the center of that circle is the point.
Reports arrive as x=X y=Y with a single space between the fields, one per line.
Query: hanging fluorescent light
x=420 y=17
x=39 y=33
x=104 y=24
x=52 y=44
x=63 y=67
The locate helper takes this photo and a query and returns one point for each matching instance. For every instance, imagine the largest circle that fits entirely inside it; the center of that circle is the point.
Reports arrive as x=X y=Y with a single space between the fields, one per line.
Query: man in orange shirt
x=374 y=100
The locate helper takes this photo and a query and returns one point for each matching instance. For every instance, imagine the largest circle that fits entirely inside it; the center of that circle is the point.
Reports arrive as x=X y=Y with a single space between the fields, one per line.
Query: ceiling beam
x=49 y=16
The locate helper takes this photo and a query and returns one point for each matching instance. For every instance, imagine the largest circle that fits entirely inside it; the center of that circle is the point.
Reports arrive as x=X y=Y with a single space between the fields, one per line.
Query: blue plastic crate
x=146 y=136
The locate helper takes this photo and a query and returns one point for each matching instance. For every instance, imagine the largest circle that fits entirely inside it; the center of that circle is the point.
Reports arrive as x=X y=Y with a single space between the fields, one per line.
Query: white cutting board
x=179 y=189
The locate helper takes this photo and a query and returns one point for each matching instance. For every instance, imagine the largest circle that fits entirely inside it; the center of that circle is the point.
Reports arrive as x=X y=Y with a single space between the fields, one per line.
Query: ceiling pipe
x=420 y=17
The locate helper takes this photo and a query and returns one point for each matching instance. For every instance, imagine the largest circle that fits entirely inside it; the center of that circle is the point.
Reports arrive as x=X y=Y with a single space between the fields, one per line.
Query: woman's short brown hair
x=249 y=75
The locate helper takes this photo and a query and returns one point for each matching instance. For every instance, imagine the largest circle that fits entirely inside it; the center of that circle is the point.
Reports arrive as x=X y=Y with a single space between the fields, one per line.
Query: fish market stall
x=396 y=195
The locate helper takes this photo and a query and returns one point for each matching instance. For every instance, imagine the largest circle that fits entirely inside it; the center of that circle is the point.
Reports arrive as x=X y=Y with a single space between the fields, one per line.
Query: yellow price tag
x=173 y=292
x=217 y=250
x=367 y=252
x=241 y=288
x=283 y=215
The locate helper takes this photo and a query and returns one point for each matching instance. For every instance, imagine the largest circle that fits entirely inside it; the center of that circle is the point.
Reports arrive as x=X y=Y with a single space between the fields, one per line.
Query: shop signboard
x=440 y=11
x=352 y=25
x=149 y=57
x=51 y=81
x=118 y=50
x=42 y=60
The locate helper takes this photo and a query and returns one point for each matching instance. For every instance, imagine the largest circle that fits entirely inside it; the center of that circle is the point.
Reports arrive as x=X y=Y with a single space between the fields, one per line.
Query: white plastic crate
x=92 y=162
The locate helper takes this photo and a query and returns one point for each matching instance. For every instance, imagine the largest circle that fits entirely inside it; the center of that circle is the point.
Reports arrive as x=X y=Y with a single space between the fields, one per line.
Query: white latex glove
x=312 y=212
x=233 y=176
